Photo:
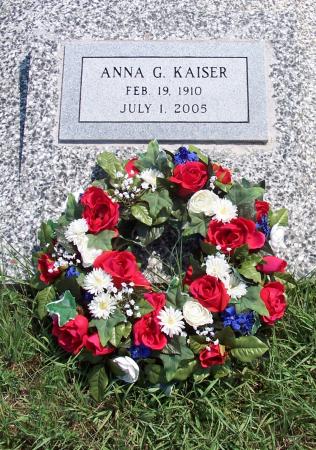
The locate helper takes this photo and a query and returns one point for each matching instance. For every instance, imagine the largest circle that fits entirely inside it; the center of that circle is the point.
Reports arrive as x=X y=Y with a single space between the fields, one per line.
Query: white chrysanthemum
x=171 y=321
x=235 y=288
x=102 y=306
x=88 y=255
x=224 y=210
x=195 y=314
x=217 y=266
x=76 y=231
x=96 y=281
x=149 y=176
x=277 y=238
x=203 y=202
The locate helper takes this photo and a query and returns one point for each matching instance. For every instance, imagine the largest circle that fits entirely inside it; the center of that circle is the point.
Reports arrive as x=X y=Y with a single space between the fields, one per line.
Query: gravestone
x=202 y=91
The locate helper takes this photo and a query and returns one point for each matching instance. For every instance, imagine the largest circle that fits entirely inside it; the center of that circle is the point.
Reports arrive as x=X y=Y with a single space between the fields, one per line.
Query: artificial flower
x=235 y=288
x=102 y=305
x=97 y=281
x=217 y=266
x=183 y=155
x=149 y=177
x=131 y=169
x=189 y=177
x=210 y=292
x=262 y=209
x=212 y=356
x=71 y=335
x=224 y=210
x=222 y=174
x=125 y=368
x=92 y=343
x=273 y=297
x=46 y=267
x=76 y=231
x=195 y=314
x=88 y=254
x=171 y=321
x=272 y=264
x=202 y=202
x=242 y=322
x=99 y=210
x=277 y=238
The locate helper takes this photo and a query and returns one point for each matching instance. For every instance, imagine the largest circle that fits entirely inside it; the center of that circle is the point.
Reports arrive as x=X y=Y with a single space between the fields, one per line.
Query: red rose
x=262 y=209
x=212 y=357
x=71 y=335
x=273 y=297
x=93 y=344
x=130 y=168
x=100 y=212
x=147 y=329
x=122 y=266
x=272 y=264
x=234 y=234
x=210 y=292
x=45 y=266
x=190 y=177
x=222 y=174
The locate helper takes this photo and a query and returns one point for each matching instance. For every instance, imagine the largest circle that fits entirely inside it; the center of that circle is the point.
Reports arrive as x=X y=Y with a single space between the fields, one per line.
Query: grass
x=269 y=404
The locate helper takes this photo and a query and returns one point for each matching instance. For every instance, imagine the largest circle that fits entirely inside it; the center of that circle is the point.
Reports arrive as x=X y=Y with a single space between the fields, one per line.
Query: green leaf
x=241 y=253
x=240 y=195
x=279 y=217
x=42 y=299
x=172 y=362
x=110 y=164
x=157 y=201
x=226 y=337
x=102 y=240
x=105 y=326
x=197 y=343
x=183 y=373
x=252 y=300
x=175 y=295
x=141 y=213
x=119 y=331
x=207 y=248
x=202 y=157
x=73 y=209
x=198 y=224
x=223 y=187
x=63 y=284
x=219 y=371
x=286 y=278
x=154 y=158
x=46 y=233
x=98 y=381
x=147 y=235
x=64 y=308
x=248 y=268
x=144 y=306
x=248 y=348
x=154 y=373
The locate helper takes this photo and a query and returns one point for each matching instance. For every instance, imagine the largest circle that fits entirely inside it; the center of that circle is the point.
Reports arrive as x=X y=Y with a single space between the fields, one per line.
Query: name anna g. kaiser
x=177 y=72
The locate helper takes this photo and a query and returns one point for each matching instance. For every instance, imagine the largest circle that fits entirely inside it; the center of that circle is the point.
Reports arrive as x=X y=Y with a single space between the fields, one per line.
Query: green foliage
x=105 y=327
x=64 y=308
x=202 y=157
x=279 y=217
x=110 y=164
x=146 y=235
x=141 y=212
x=73 y=209
x=197 y=343
x=226 y=337
x=172 y=362
x=159 y=203
x=101 y=240
x=175 y=296
x=223 y=187
x=252 y=300
x=248 y=268
x=154 y=373
x=153 y=158
x=244 y=198
x=197 y=225
x=144 y=306
x=42 y=298
x=98 y=381
x=46 y=233
x=248 y=348
x=119 y=331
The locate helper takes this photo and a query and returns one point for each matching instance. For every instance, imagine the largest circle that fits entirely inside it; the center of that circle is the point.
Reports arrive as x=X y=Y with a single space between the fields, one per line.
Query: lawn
x=269 y=404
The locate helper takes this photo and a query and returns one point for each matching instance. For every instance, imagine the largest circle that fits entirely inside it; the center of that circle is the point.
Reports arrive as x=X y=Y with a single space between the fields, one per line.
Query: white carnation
x=149 y=177
x=195 y=314
x=277 y=238
x=235 y=288
x=217 y=266
x=76 y=231
x=224 y=210
x=88 y=255
x=202 y=202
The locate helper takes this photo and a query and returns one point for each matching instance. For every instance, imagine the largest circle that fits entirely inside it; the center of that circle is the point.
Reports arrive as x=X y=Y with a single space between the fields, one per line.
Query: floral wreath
x=221 y=288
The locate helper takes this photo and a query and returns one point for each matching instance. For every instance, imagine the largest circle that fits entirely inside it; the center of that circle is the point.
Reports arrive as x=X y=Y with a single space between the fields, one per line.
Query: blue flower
x=72 y=272
x=263 y=225
x=139 y=351
x=183 y=155
x=242 y=322
x=87 y=297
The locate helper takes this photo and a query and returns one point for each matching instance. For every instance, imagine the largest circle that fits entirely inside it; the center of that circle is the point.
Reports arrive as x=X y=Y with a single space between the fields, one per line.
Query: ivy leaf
x=42 y=299
x=109 y=163
x=154 y=373
x=73 y=209
x=119 y=331
x=279 y=217
x=141 y=213
x=252 y=300
x=102 y=240
x=98 y=381
x=240 y=195
x=46 y=233
x=248 y=348
x=144 y=306
x=153 y=158
x=64 y=308
x=105 y=326
x=198 y=224
x=207 y=248
x=183 y=372
x=172 y=362
x=147 y=235
x=157 y=201
x=197 y=343
x=174 y=293
x=248 y=268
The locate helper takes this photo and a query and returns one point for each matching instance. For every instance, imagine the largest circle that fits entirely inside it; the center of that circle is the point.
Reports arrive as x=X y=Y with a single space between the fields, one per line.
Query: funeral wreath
x=206 y=307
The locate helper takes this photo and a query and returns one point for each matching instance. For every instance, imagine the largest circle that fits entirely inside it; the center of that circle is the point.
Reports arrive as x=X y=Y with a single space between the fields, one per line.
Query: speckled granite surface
x=48 y=170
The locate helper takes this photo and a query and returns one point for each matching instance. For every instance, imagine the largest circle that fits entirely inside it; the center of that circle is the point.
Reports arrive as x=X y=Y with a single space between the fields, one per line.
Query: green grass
x=269 y=404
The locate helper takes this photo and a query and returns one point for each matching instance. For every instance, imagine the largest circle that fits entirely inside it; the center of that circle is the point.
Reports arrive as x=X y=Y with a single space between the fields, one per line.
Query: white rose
x=195 y=314
x=202 y=202
x=277 y=238
x=125 y=368
x=88 y=255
